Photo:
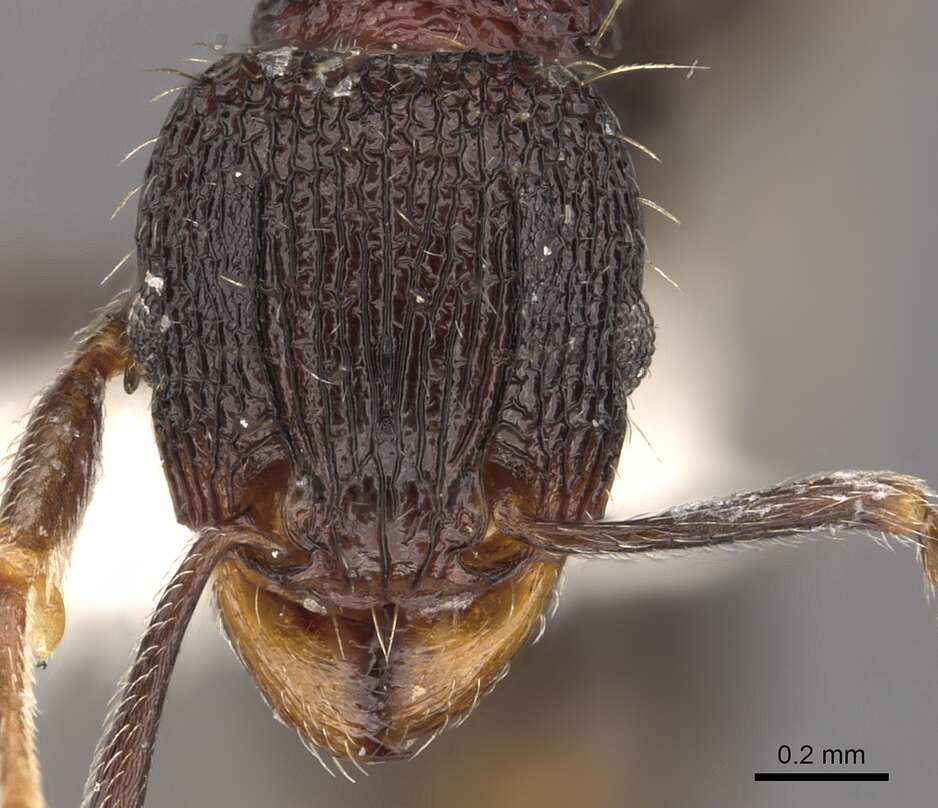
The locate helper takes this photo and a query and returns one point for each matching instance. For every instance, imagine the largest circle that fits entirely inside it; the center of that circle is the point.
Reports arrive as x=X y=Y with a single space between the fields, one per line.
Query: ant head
x=552 y=28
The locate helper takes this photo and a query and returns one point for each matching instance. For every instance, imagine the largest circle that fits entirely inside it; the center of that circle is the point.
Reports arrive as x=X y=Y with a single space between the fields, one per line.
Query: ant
x=389 y=306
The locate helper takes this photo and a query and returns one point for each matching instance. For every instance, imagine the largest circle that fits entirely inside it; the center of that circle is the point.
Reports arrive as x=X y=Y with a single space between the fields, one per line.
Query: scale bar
x=821 y=777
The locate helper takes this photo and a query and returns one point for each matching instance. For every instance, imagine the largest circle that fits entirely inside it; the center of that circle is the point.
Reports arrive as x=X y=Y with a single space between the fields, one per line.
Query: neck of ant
x=551 y=28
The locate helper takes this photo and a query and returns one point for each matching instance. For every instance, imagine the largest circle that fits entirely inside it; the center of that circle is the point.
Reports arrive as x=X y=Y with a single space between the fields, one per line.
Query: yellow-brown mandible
x=378 y=684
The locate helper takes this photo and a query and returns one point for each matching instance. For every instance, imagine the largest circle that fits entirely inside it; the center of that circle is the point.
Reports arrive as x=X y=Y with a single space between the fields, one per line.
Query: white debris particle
x=165 y=323
x=314 y=606
x=139 y=304
x=244 y=423
x=344 y=88
x=328 y=65
x=547 y=251
x=155 y=283
x=455 y=603
x=276 y=62
x=855 y=477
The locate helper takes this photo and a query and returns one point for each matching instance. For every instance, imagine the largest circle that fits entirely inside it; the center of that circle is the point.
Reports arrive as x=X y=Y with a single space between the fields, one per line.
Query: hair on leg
x=119 y=773
x=878 y=502
x=43 y=500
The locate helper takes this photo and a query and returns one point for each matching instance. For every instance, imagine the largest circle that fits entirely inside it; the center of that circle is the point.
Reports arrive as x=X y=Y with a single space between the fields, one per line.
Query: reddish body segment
x=557 y=29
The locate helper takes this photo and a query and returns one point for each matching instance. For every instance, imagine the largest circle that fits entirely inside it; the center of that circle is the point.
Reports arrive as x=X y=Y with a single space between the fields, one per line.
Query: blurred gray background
x=803 y=338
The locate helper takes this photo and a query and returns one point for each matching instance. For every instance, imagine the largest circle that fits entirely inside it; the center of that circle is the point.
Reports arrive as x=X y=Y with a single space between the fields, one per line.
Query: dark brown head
x=555 y=28
x=379 y=292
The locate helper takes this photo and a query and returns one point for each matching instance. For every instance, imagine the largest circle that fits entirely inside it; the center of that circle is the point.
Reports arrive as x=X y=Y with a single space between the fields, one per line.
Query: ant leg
x=877 y=502
x=118 y=777
x=46 y=492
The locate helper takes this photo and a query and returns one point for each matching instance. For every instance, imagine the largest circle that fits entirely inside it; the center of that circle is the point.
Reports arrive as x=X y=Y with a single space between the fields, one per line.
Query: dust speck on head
x=314 y=606
x=344 y=88
x=276 y=62
x=155 y=283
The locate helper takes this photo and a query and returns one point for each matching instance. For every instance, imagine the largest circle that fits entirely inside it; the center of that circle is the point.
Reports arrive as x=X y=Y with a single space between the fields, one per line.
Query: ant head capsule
x=554 y=28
